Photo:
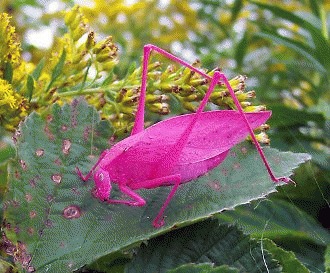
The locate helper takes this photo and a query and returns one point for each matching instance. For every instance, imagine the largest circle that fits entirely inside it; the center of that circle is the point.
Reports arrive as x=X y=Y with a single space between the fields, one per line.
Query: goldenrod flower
x=12 y=106
x=9 y=46
x=7 y=96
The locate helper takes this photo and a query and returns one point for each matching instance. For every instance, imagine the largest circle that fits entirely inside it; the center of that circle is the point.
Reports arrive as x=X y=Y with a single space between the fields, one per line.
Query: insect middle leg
x=157 y=182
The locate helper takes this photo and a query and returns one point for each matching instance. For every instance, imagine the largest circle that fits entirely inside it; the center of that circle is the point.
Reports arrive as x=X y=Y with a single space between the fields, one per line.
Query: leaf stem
x=85 y=92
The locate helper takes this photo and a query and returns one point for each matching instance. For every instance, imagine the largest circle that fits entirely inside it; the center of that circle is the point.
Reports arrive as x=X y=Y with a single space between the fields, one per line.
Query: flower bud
x=257 y=108
x=188 y=106
x=151 y=98
x=159 y=108
x=90 y=42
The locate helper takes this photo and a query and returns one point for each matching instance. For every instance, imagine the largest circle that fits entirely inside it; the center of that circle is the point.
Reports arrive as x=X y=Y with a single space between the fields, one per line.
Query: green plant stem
x=84 y=92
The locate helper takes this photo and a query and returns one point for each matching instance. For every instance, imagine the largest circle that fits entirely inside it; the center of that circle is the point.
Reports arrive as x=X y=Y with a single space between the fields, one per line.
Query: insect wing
x=216 y=132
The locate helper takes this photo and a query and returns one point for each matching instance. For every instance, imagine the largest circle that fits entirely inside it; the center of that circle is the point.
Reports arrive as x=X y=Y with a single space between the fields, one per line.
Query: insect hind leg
x=224 y=79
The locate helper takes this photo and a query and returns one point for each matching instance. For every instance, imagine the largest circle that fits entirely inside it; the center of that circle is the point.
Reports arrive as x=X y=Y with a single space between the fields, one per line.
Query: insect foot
x=158 y=223
x=81 y=175
x=285 y=180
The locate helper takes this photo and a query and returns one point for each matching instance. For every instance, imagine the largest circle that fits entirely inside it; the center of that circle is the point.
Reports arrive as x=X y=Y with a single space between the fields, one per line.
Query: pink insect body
x=176 y=150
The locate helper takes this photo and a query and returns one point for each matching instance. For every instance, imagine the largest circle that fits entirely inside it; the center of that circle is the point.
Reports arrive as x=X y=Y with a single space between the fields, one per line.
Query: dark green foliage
x=205 y=242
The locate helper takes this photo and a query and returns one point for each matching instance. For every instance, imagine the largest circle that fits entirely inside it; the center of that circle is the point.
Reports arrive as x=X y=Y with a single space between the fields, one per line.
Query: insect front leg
x=86 y=177
x=137 y=201
x=139 y=117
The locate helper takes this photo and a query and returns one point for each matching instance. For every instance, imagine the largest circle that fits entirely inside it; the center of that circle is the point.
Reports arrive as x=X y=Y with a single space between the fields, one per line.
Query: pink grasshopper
x=175 y=150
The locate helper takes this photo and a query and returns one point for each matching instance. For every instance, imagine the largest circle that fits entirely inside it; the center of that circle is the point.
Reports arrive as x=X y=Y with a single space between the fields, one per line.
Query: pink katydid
x=175 y=150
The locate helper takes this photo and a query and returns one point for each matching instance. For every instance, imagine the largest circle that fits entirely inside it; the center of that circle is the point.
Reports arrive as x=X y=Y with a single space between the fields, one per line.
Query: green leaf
x=287 y=259
x=37 y=71
x=114 y=262
x=285 y=224
x=236 y=9
x=203 y=242
x=285 y=116
x=44 y=186
x=7 y=150
x=108 y=79
x=327 y=259
x=59 y=66
x=30 y=87
x=203 y=268
x=8 y=73
x=6 y=267
x=281 y=218
x=241 y=49
x=304 y=50
x=322 y=47
x=57 y=70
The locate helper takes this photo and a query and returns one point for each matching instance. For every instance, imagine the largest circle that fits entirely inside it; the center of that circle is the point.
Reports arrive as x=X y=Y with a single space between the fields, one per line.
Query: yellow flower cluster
x=9 y=45
x=7 y=96
x=12 y=106
x=82 y=54
x=159 y=23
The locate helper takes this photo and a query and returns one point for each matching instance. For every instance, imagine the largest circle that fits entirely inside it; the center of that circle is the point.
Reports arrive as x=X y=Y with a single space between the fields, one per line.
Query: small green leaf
x=203 y=268
x=131 y=69
x=59 y=66
x=29 y=87
x=236 y=9
x=37 y=71
x=241 y=49
x=204 y=242
x=85 y=75
x=108 y=79
x=8 y=73
x=57 y=70
x=327 y=259
x=287 y=259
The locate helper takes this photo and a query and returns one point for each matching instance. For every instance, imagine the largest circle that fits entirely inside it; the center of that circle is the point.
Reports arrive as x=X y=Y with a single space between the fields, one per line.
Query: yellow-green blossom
x=12 y=106
x=7 y=96
x=9 y=46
